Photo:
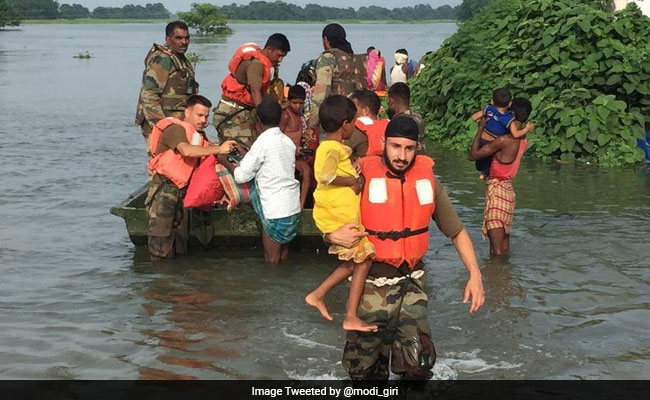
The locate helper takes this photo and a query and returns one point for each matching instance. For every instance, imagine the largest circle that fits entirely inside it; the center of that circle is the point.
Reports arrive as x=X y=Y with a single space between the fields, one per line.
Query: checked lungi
x=499 y=205
x=281 y=230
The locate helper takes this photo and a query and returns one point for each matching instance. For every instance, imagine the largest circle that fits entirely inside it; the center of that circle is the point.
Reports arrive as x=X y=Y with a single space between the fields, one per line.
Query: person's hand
x=474 y=289
x=226 y=147
x=348 y=235
x=308 y=136
x=530 y=126
x=358 y=165
x=357 y=187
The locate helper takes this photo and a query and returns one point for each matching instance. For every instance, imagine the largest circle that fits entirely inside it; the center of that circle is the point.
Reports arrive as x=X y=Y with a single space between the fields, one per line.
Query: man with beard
x=400 y=196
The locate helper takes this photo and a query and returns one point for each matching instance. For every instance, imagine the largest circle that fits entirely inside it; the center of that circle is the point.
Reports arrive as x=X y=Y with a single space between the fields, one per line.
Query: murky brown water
x=77 y=300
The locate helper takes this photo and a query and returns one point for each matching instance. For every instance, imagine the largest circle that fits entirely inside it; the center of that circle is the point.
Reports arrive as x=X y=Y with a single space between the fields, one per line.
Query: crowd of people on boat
x=326 y=143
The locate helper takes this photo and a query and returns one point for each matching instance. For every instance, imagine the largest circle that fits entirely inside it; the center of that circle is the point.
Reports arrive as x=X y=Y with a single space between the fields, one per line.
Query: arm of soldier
x=323 y=86
x=154 y=81
x=188 y=150
x=254 y=75
x=451 y=226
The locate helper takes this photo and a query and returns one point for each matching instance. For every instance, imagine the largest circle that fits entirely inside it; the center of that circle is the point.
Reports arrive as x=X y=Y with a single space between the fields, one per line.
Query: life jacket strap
x=397 y=235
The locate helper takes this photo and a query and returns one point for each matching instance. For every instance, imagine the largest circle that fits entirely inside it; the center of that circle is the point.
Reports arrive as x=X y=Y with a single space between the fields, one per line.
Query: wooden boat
x=217 y=228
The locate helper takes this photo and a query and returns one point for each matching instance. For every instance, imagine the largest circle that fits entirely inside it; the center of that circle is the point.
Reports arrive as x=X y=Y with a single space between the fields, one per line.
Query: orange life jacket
x=230 y=86
x=396 y=212
x=169 y=163
x=376 y=132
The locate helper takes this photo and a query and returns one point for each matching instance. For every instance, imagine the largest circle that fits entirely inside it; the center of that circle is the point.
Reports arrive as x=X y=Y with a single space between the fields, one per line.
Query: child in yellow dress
x=337 y=203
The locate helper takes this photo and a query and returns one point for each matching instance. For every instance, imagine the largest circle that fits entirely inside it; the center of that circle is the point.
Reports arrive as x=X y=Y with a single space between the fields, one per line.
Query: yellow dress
x=335 y=206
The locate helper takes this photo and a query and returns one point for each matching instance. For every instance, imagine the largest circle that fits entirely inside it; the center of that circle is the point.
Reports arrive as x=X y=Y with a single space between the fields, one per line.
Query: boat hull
x=217 y=228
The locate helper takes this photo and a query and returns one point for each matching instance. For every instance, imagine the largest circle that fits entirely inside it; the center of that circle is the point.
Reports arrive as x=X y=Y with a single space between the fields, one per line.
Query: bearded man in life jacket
x=176 y=147
x=252 y=73
x=400 y=197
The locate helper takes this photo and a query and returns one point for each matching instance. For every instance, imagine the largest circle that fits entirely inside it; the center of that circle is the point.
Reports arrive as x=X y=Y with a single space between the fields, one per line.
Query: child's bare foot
x=313 y=300
x=481 y=177
x=356 y=324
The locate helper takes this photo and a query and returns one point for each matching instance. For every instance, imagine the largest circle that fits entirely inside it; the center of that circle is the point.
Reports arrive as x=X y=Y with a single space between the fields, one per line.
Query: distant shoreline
x=101 y=21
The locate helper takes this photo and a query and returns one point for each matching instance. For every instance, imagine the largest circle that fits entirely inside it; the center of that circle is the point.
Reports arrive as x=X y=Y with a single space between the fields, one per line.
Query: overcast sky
x=184 y=5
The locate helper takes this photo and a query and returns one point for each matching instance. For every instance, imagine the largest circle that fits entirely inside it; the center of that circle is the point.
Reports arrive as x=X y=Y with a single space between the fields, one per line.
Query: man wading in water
x=400 y=196
x=499 y=194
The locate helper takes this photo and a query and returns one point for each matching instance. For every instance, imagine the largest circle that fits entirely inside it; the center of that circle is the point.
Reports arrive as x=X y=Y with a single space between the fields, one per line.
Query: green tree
x=8 y=15
x=36 y=9
x=73 y=11
x=469 y=8
x=206 y=18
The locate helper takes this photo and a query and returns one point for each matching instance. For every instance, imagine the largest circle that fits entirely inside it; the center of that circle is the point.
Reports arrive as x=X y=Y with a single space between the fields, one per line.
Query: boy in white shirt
x=275 y=193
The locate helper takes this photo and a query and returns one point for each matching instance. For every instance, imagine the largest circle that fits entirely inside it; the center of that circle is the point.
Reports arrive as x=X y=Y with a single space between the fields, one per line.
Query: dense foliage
x=50 y=9
x=469 y=8
x=206 y=18
x=74 y=11
x=129 y=11
x=281 y=11
x=585 y=70
x=9 y=16
x=36 y=9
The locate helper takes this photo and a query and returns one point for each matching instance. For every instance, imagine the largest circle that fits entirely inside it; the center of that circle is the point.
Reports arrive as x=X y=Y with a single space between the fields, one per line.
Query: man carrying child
x=499 y=121
x=400 y=196
x=505 y=154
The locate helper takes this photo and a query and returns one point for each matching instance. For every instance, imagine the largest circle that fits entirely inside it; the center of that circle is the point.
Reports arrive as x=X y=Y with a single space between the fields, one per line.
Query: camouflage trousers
x=234 y=121
x=403 y=337
x=168 y=231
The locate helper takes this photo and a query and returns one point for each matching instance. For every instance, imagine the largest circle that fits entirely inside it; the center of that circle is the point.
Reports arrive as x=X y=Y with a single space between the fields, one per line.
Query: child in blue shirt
x=500 y=120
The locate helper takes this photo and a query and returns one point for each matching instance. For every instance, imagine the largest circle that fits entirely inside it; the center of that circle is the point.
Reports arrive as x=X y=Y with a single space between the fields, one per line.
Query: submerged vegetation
x=194 y=58
x=84 y=55
x=585 y=70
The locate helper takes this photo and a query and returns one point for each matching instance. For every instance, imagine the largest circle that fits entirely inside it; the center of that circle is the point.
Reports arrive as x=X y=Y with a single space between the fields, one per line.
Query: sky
x=184 y=5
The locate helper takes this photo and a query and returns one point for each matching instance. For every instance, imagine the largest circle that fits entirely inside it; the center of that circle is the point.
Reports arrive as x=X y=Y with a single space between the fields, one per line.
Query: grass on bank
x=100 y=21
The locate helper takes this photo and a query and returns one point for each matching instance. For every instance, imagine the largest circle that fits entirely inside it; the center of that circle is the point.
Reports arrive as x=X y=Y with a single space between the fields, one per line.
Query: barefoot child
x=337 y=203
x=499 y=121
x=292 y=125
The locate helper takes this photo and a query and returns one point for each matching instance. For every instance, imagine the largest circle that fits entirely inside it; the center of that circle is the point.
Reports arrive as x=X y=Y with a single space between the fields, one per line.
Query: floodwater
x=78 y=300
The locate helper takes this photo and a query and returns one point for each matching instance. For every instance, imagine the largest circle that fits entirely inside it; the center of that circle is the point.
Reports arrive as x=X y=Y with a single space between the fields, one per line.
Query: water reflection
x=188 y=315
x=499 y=283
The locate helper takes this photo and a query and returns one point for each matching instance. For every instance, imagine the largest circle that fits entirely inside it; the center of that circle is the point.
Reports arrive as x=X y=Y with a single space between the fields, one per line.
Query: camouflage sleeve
x=324 y=71
x=154 y=81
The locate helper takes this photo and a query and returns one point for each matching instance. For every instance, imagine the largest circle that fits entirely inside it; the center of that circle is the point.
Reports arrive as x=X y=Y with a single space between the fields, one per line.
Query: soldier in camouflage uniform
x=338 y=70
x=168 y=220
x=393 y=298
x=243 y=90
x=167 y=81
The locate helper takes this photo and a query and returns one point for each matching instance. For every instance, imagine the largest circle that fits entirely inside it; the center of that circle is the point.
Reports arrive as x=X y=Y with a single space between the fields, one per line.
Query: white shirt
x=272 y=162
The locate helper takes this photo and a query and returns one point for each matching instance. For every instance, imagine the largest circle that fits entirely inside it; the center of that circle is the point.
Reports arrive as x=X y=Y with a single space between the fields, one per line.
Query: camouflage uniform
x=403 y=338
x=168 y=221
x=234 y=120
x=167 y=81
x=337 y=72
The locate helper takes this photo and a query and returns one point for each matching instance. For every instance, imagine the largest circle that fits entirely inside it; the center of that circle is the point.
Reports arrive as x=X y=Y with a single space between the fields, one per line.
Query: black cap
x=404 y=127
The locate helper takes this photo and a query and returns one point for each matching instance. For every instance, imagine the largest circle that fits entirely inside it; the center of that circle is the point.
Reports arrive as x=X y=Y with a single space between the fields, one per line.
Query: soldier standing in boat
x=252 y=72
x=338 y=71
x=176 y=145
x=167 y=81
